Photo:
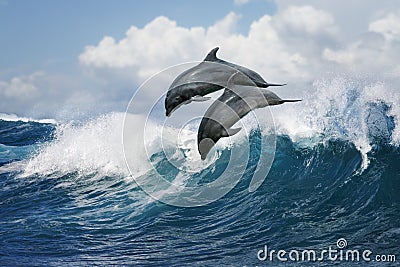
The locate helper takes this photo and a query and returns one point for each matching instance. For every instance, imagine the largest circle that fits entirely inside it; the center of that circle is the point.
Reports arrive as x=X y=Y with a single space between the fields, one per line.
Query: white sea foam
x=13 y=117
x=94 y=146
x=342 y=108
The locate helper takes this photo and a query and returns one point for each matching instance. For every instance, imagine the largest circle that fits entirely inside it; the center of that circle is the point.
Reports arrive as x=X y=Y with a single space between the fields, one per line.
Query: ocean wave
x=91 y=212
x=94 y=146
x=14 y=117
x=73 y=200
x=356 y=110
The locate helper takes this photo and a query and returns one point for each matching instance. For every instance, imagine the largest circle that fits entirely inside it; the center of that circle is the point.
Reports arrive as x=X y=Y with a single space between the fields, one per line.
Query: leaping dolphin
x=207 y=77
x=235 y=103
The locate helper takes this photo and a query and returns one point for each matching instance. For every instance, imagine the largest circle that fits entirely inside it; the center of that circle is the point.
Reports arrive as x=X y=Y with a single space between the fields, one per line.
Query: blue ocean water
x=66 y=198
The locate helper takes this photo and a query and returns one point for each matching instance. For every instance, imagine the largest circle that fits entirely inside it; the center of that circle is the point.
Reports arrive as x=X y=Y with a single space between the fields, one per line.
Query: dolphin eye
x=177 y=98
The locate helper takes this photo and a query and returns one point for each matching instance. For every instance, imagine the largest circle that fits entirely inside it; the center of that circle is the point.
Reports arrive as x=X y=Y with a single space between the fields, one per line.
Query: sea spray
x=340 y=108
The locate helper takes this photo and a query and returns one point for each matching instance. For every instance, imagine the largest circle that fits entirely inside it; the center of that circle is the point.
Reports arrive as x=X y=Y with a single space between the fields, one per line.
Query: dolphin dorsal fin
x=212 y=55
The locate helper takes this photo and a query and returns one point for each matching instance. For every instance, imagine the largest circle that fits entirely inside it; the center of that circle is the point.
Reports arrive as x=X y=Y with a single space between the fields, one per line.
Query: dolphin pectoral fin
x=231 y=132
x=198 y=98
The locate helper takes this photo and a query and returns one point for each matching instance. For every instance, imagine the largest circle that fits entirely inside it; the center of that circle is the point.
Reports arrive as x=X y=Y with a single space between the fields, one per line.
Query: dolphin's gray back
x=254 y=76
x=236 y=103
x=205 y=72
x=214 y=70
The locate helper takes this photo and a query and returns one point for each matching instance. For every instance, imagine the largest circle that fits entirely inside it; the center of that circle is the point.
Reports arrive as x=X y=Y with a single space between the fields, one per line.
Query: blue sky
x=65 y=58
x=49 y=34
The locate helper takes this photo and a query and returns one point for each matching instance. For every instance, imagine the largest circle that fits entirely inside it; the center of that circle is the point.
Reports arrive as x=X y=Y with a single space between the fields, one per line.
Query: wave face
x=67 y=198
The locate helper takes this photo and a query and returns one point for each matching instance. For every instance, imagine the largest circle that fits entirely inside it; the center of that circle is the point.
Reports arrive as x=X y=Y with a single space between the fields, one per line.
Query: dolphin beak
x=275 y=84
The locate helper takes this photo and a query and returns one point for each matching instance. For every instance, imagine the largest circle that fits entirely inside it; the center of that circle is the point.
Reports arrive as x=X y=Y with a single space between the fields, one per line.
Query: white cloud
x=41 y=94
x=351 y=17
x=375 y=51
x=223 y=28
x=21 y=88
x=153 y=47
x=388 y=26
x=241 y=2
x=162 y=43
x=158 y=45
x=299 y=20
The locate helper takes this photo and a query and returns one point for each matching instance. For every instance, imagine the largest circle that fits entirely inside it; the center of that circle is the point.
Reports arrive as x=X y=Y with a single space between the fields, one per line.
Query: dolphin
x=207 y=77
x=235 y=103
